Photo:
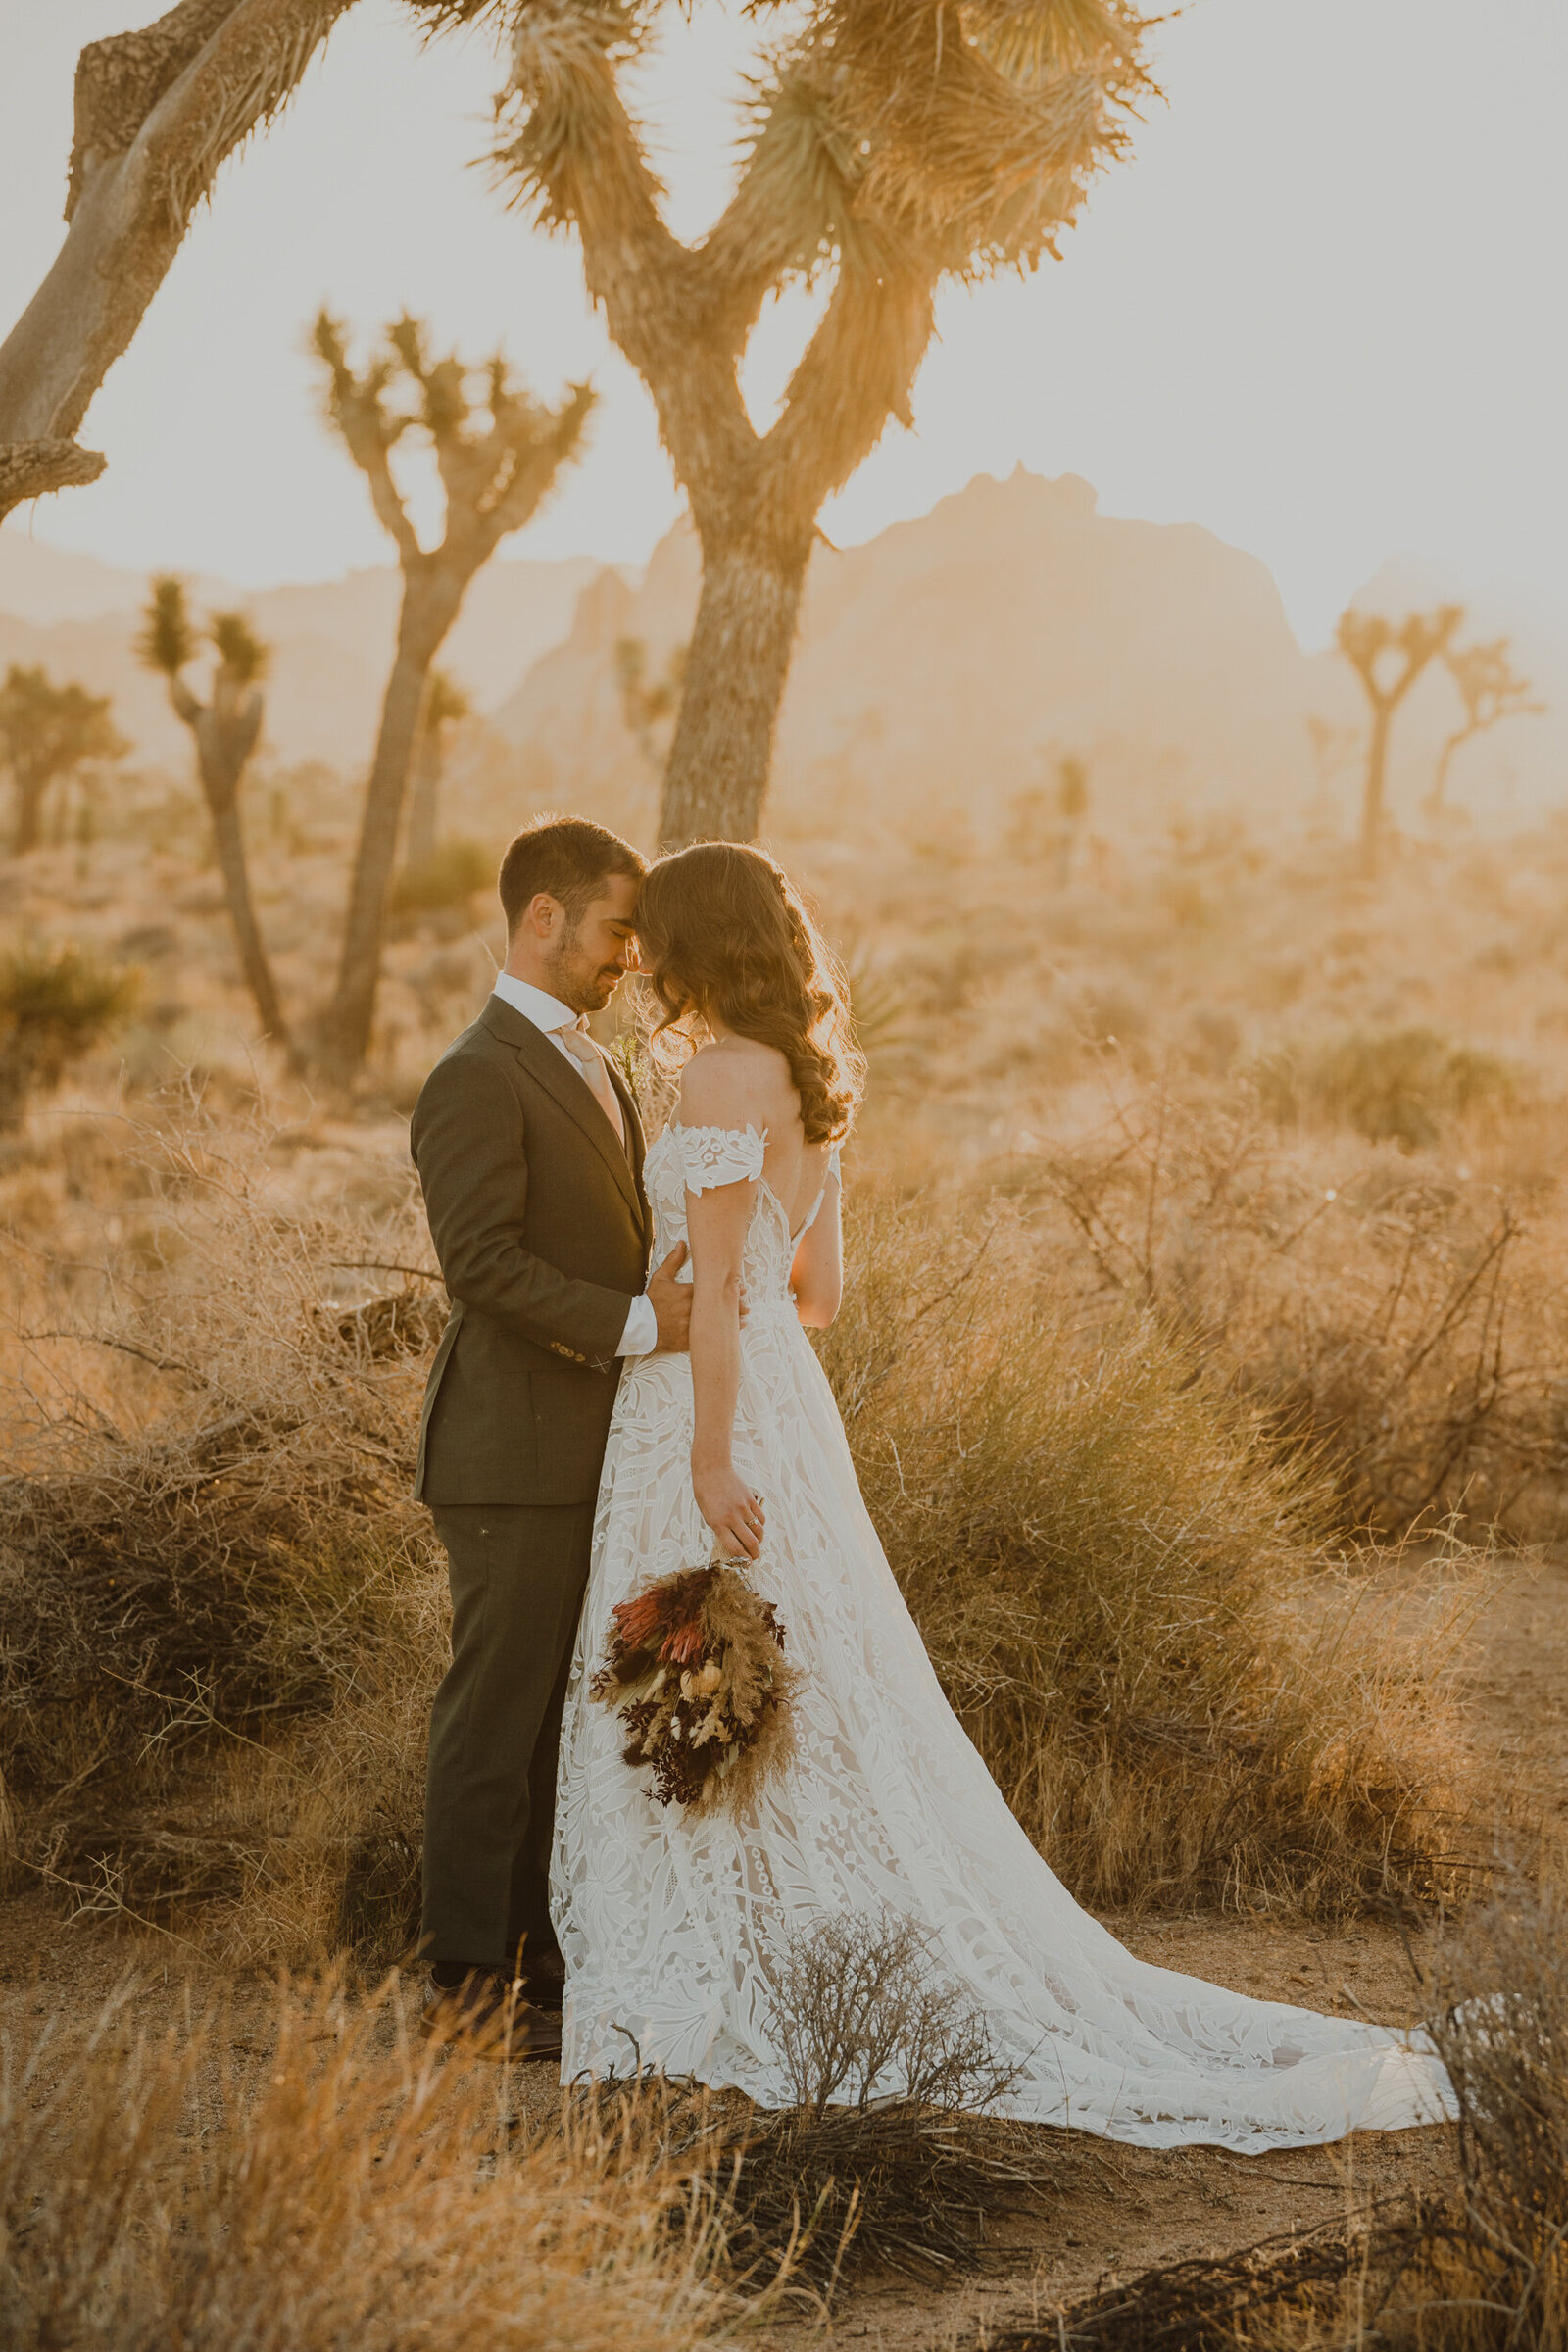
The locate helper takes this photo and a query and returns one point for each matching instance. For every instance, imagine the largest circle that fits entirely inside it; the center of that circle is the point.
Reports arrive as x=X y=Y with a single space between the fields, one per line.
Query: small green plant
x=55 y=1003
x=450 y=877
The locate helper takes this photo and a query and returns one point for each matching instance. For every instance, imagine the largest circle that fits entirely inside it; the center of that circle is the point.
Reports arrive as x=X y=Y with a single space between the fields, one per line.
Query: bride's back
x=737 y=1083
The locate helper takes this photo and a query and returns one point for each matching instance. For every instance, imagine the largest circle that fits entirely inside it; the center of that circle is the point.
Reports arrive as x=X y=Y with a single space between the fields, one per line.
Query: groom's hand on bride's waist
x=672 y=1302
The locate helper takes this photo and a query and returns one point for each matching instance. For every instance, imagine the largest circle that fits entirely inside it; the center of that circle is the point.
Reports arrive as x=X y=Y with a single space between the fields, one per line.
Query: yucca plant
x=892 y=146
x=55 y=1004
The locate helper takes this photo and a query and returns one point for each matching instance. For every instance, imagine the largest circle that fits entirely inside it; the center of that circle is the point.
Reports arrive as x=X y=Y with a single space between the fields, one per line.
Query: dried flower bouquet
x=694 y=1667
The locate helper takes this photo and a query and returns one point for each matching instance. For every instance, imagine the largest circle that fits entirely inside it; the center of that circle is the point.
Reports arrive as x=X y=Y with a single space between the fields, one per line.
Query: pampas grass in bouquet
x=694 y=1667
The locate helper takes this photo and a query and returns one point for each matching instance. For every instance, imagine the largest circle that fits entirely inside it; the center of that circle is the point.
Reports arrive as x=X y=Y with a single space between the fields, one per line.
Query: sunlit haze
x=1319 y=312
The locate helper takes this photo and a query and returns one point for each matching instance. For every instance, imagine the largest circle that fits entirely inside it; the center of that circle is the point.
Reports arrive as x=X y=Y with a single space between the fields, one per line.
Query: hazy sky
x=1321 y=311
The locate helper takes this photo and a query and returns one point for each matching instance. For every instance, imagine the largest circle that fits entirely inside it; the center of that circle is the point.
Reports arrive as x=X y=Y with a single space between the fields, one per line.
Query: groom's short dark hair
x=569 y=858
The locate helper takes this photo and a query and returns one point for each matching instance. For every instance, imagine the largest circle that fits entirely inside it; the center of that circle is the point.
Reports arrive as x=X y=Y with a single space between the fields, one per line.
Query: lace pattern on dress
x=672 y=1928
x=714 y=1156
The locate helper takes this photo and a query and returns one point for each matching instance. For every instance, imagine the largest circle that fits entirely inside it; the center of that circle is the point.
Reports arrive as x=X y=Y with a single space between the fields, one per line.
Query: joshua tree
x=157 y=111
x=48 y=733
x=225 y=730
x=1388 y=657
x=444 y=704
x=1072 y=806
x=647 y=708
x=894 y=144
x=1491 y=690
x=497 y=451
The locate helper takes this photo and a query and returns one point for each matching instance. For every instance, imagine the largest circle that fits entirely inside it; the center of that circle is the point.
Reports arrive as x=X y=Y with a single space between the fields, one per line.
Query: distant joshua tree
x=1491 y=690
x=497 y=452
x=1388 y=657
x=225 y=730
x=1072 y=806
x=891 y=149
x=157 y=111
x=649 y=708
x=48 y=734
x=445 y=702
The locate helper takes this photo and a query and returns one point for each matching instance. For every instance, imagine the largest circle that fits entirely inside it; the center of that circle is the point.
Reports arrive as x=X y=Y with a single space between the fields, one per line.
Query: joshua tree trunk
x=343 y=1035
x=29 y=798
x=226 y=732
x=230 y=843
x=157 y=111
x=424 y=794
x=736 y=668
x=1373 y=798
x=1436 y=798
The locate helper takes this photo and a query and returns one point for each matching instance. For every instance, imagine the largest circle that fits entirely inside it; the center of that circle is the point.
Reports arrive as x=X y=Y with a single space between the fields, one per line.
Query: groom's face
x=594 y=955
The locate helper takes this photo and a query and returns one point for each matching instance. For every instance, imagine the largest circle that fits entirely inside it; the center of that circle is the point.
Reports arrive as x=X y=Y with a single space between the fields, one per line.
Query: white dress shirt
x=549 y=1014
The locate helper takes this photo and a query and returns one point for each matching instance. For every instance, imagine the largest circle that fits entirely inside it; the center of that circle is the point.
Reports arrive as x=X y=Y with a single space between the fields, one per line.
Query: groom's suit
x=541 y=1226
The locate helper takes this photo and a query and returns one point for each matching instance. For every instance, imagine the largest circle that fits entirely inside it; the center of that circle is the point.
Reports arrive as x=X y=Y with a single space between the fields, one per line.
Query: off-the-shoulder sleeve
x=715 y=1155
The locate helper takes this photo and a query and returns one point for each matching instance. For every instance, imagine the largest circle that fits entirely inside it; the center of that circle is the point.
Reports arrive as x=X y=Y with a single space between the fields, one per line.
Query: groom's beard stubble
x=586 y=991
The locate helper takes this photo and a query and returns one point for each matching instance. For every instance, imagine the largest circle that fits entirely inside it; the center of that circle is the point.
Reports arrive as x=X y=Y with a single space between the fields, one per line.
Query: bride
x=672 y=1925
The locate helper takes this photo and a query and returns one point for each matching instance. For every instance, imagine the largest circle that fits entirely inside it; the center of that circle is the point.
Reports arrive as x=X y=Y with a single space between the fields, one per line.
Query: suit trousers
x=517 y=1575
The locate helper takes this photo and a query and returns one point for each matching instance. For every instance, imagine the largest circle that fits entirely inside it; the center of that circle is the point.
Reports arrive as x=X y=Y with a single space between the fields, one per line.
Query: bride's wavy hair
x=721 y=933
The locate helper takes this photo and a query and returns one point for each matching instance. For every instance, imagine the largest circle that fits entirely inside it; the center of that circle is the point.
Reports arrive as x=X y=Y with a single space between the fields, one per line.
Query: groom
x=530 y=1153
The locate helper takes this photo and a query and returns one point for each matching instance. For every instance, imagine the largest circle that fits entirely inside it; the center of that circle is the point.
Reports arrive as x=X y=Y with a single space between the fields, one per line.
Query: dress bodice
x=696 y=1160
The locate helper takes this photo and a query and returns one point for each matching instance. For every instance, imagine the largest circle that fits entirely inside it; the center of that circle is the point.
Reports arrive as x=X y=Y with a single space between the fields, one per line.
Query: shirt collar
x=546 y=1013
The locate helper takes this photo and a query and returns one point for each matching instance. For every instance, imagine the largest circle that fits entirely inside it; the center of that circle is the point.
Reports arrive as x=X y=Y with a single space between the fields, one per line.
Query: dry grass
x=222 y=1613
x=328 y=2183
x=1107 y=1557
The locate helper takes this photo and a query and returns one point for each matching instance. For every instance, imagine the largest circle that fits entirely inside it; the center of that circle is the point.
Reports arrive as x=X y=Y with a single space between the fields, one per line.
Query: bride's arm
x=717 y=1221
x=817 y=1275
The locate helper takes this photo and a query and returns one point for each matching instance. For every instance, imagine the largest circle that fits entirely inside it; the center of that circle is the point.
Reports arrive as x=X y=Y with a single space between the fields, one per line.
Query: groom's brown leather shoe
x=491 y=2016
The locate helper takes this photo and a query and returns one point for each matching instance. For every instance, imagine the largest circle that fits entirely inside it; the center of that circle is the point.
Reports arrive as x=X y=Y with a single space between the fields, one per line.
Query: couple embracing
x=591 y=1424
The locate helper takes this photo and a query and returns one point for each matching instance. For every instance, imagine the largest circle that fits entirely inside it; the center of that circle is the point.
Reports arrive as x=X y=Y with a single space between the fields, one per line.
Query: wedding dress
x=667 y=1922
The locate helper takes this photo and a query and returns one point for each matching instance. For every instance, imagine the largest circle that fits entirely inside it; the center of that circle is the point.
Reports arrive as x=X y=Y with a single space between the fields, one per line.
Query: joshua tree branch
x=29 y=469
x=157 y=113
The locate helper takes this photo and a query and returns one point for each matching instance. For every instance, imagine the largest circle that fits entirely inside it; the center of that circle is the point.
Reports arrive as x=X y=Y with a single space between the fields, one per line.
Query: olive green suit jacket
x=542 y=1230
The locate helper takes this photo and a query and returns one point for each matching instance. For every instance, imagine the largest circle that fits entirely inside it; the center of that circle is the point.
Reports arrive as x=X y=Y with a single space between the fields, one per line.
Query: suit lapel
x=548 y=1064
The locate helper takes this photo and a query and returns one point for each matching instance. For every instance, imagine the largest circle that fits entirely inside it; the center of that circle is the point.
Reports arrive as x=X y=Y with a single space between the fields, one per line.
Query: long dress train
x=670 y=1925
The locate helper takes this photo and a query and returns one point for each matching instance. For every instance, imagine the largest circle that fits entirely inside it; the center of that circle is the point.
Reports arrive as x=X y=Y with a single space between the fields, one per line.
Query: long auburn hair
x=720 y=932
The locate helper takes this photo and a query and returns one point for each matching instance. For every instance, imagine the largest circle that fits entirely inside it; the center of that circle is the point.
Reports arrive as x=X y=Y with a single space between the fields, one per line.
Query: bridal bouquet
x=694 y=1667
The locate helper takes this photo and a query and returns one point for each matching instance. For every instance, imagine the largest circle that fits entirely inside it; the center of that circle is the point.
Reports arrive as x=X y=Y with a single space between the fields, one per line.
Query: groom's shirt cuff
x=641 y=1335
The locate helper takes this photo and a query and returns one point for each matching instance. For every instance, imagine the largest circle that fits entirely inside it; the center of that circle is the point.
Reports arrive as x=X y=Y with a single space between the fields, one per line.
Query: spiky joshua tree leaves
x=892 y=145
x=1388 y=656
x=497 y=451
x=157 y=111
x=225 y=730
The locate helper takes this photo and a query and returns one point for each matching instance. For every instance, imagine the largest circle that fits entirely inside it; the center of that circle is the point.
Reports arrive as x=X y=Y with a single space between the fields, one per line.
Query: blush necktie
x=581 y=1045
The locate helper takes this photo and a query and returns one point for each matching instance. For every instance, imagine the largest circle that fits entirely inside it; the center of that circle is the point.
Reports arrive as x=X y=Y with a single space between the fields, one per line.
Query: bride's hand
x=733 y=1511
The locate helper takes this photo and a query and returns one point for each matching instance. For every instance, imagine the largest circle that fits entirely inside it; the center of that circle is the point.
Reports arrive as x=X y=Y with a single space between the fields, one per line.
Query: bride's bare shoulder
x=736 y=1083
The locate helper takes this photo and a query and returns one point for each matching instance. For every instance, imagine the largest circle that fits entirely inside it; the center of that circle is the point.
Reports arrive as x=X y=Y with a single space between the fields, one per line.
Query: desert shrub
x=858 y=2012
x=1102 y=1546
x=55 y=1004
x=1501 y=2023
x=328 y=2187
x=1402 y=1086
x=454 y=873
x=1401 y=1319
x=222 y=1564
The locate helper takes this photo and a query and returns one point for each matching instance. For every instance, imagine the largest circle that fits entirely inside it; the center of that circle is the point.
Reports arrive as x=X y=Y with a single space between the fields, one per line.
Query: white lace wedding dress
x=668 y=1924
